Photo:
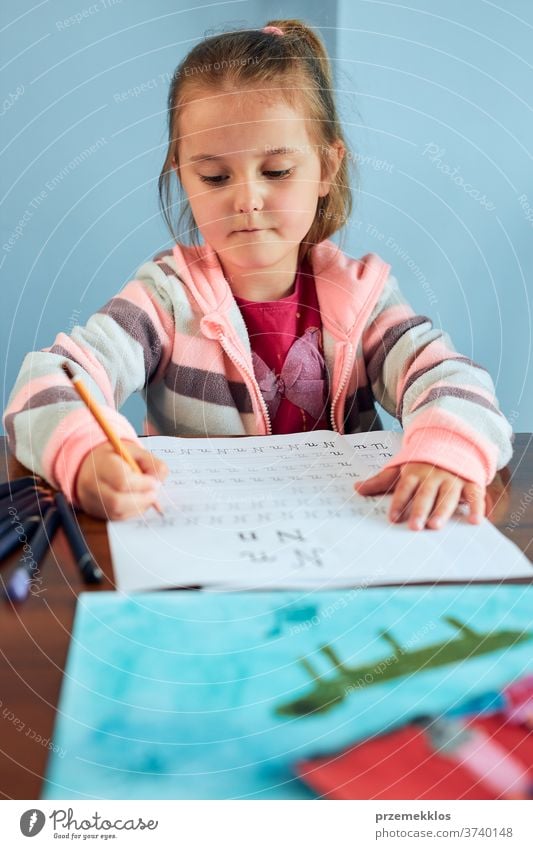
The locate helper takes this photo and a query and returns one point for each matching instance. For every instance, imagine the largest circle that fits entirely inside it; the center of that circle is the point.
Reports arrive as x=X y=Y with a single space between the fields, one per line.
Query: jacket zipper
x=344 y=378
x=242 y=365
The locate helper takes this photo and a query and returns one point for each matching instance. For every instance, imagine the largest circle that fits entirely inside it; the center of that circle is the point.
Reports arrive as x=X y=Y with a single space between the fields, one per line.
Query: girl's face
x=252 y=176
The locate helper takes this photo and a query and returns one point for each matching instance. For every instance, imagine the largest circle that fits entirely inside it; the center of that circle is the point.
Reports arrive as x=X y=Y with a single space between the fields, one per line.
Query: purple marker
x=18 y=586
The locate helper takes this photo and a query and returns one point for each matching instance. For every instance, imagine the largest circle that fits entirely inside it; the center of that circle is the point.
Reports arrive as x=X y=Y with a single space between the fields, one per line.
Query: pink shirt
x=287 y=353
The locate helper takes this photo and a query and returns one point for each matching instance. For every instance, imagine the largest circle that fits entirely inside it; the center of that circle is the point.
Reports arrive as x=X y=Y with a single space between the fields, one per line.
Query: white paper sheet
x=281 y=511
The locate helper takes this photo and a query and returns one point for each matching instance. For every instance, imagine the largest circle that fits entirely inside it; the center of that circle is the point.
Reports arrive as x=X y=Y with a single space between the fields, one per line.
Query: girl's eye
x=275 y=175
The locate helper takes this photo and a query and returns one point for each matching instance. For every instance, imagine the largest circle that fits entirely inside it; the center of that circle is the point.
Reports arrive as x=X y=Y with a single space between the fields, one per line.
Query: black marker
x=18 y=534
x=22 y=498
x=23 y=509
x=89 y=568
x=18 y=483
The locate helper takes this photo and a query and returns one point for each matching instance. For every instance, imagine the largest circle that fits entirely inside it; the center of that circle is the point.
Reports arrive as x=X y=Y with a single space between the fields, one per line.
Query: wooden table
x=34 y=637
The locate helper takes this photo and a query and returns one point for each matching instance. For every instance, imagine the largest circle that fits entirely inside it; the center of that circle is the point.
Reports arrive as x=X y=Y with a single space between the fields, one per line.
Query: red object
x=519 y=696
x=404 y=765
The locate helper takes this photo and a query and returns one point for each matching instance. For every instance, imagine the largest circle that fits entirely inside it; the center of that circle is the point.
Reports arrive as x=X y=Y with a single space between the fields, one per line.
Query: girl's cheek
x=203 y=212
x=285 y=203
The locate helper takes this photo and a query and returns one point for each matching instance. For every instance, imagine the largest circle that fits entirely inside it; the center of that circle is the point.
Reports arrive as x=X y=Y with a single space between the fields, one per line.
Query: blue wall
x=84 y=135
x=84 y=90
x=438 y=102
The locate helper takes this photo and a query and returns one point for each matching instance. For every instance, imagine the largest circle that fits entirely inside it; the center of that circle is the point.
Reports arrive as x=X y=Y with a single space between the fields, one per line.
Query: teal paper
x=178 y=694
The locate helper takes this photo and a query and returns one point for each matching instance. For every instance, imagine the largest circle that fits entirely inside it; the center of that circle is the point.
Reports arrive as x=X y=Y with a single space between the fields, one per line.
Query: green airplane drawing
x=329 y=692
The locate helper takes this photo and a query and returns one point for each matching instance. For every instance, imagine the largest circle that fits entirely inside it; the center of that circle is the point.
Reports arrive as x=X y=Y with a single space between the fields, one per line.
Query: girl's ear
x=335 y=156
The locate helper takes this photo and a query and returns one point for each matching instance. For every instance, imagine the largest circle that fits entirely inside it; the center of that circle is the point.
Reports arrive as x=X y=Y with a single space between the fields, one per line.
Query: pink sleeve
x=445 y=401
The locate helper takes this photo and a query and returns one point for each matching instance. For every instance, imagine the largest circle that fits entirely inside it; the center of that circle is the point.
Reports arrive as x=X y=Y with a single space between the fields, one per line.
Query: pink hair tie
x=273 y=30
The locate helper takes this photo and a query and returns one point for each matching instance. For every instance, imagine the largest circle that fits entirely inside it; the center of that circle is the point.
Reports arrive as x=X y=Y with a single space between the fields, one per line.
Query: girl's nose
x=248 y=197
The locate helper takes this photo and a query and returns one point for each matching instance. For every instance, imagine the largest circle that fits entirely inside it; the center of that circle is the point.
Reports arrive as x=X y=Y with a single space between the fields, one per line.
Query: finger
x=403 y=494
x=149 y=464
x=382 y=482
x=124 y=505
x=162 y=469
x=422 y=505
x=106 y=503
x=491 y=500
x=475 y=496
x=446 y=503
x=119 y=476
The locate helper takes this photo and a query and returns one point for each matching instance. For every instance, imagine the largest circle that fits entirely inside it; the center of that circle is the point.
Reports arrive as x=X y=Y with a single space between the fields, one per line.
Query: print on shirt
x=301 y=378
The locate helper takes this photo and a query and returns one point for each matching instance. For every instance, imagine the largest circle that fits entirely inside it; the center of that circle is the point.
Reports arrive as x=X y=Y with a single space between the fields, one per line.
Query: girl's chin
x=265 y=251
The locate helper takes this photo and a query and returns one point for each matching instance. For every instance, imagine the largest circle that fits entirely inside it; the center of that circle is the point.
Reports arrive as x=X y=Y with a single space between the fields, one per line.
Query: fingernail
x=418 y=523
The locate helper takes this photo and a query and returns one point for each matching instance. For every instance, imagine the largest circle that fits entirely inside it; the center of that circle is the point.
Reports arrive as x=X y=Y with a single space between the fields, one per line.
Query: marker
x=18 y=495
x=89 y=568
x=23 y=510
x=24 y=497
x=17 y=484
x=18 y=586
x=15 y=537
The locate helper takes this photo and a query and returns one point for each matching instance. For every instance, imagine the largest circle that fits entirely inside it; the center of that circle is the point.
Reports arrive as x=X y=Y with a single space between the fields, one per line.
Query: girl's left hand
x=427 y=494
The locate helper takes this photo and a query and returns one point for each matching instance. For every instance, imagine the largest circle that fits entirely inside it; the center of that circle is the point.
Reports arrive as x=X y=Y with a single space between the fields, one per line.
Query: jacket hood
x=347 y=288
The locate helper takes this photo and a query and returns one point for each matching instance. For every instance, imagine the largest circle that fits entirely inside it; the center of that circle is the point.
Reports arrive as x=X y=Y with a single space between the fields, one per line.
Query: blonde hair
x=294 y=63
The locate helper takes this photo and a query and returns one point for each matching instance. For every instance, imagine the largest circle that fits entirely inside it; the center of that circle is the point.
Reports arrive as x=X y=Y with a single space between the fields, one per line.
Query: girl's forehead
x=230 y=114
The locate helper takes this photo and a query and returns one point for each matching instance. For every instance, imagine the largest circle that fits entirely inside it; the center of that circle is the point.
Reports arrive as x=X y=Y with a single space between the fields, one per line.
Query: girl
x=266 y=327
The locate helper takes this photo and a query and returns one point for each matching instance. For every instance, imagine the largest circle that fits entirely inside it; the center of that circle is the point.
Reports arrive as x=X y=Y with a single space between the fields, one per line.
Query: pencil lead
x=68 y=371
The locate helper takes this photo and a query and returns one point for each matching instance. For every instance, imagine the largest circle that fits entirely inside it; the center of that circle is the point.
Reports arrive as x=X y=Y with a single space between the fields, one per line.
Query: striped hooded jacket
x=175 y=334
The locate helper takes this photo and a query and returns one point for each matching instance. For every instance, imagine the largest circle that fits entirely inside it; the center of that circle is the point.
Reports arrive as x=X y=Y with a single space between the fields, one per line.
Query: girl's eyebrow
x=275 y=150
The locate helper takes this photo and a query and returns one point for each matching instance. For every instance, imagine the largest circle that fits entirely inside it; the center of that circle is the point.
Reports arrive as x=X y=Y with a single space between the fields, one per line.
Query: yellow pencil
x=94 y=408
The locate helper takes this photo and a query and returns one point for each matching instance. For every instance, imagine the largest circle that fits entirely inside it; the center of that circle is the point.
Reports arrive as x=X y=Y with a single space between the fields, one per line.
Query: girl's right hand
x=106 y=487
